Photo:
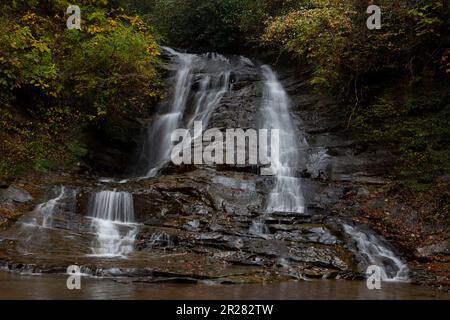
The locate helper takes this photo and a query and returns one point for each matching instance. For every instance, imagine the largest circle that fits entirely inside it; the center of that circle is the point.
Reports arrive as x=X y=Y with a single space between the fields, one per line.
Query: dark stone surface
x=15 y=194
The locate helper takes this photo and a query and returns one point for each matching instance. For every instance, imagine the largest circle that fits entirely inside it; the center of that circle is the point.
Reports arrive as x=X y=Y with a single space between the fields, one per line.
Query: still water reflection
x=14 y=286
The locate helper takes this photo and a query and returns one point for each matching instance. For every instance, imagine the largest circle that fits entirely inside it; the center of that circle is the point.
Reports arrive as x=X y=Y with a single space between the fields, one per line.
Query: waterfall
x=374 y=252
x=200 y=83
x=160 y=239
x=157 y=146
x=287 y=195
x=44 y=214
x=259 y=227
x=112 y=215
x=47 y=209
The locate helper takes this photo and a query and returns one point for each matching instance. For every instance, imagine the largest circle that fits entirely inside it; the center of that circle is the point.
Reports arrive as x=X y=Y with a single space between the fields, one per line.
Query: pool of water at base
x=19 y=286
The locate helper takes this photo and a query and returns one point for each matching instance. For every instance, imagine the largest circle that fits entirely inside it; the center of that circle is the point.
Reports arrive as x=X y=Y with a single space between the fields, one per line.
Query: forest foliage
x=55 y=81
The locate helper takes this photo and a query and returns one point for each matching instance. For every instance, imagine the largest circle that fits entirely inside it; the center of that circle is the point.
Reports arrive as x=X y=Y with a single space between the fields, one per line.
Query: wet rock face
x=334 y=153
x=3 y=221
x=213 y=215
x=14 y=200
x=209 y=222
x=238 y=108
x=3 y=184
x=440 y=248
x=193 y=227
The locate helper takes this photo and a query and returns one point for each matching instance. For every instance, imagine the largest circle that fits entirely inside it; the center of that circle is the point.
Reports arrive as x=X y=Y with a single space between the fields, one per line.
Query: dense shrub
x=55 y=81
x=317 y=33
x=416 y=125
x=332 y=36
x=199 y=24
x=121 y=73
x=221 y=25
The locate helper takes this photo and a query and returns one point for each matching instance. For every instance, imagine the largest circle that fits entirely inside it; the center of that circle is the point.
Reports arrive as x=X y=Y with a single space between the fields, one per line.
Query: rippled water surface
x=14 y=286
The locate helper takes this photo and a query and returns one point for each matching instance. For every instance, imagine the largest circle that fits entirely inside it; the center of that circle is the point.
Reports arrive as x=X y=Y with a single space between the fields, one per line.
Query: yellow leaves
x=40 y=45
x=44 y=86
x=36 y=23
x=93 y=29
x=113 y=24
x=30 y=18
x=153 y=50
x=14 y=62
x=135 y=21
x=26 y=57
x=108 y=67
x=446 y=60
x=316 y=33
x=101 y=113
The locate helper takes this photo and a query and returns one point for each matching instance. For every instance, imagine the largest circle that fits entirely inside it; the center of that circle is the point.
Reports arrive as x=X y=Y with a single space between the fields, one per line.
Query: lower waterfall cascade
x=376 y=253
x=113 y=223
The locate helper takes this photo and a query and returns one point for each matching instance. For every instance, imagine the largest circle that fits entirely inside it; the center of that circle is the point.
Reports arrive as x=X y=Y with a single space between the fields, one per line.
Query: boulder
x=440 y=248
x=15 y=194
x=362 y=192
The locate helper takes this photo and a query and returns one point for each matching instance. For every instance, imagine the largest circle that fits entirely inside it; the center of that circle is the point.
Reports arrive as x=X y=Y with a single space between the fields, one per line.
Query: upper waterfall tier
x=199 y=84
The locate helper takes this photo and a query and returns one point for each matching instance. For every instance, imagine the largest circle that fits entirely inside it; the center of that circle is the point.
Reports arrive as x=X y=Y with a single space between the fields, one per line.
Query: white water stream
x=112 y=215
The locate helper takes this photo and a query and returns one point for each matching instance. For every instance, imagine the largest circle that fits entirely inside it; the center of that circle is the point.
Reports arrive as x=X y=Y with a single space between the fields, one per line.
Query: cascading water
x=200 y=83
x=212 y=89
x=160 y=239
x=49 y=208
x=156 y=149
x=44 y=213
x=287 y=195
x=112 y=215
x=259 y=227
x=374 y=252
x=47 y=224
